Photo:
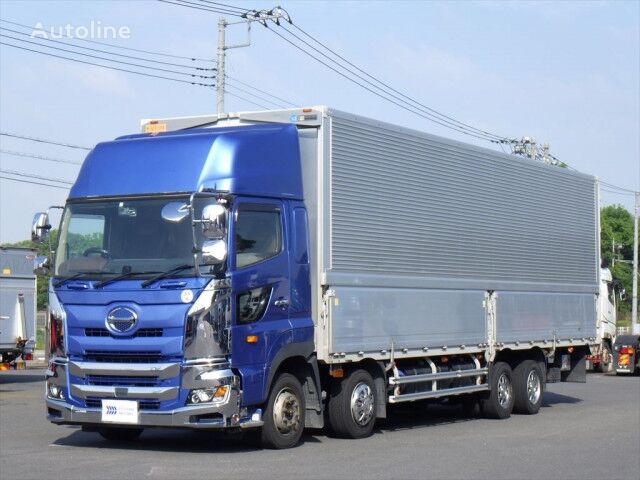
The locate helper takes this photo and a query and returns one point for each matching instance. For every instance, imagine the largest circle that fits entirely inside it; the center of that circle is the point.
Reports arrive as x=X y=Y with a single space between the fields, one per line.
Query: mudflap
x=577 y=362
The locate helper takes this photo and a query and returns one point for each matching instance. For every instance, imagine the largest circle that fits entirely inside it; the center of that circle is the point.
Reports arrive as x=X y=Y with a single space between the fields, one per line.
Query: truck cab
x=180 y=282
x=601 y=358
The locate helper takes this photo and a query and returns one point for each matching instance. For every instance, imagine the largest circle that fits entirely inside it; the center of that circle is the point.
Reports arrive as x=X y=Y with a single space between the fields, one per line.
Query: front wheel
x=284 y=416
x=352 y=405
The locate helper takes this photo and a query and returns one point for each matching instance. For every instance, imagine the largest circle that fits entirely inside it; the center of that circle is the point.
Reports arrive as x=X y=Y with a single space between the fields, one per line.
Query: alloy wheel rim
x=362 y=403
x=504 y=390
x=533 y=387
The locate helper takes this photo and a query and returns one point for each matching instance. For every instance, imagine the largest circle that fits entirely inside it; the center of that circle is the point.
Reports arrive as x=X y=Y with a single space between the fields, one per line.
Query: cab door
x=259 y=265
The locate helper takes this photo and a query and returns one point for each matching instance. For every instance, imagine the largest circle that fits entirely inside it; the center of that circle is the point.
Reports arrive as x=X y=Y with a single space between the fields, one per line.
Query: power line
x=401 y=105
x=108 y=66
x=159 y=69
x=247 y=100
x=37 y=177
x=183 y=3
x=261 y=91
x=112 y=53
x=33 y=183
x=42 y=140
x=225 y=5
x=429 y=113
x=151 y=52
x=256 y=96
x=39 y=157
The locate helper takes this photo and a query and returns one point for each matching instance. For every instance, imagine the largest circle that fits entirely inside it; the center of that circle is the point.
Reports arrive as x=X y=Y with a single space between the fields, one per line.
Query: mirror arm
x=49 y=227
x=193 y=234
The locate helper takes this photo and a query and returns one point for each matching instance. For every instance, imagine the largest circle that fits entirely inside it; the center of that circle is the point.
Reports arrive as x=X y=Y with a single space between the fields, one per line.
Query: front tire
x=528 y=386
x=352 y=405
x=499 y=402
x=115 y=434
x=284 y=416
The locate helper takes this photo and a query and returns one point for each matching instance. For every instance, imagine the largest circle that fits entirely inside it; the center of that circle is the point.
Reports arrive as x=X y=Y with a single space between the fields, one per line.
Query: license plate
x=120 y=411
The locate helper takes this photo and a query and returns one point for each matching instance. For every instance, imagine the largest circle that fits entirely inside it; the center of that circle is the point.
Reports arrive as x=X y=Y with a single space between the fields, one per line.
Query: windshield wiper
x=166 y=274
x=119 y=277
x=62 y=281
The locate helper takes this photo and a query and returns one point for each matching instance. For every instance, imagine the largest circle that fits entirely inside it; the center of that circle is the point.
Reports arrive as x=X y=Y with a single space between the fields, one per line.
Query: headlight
x=56 y=317
x=206 y=395
x=206 y=331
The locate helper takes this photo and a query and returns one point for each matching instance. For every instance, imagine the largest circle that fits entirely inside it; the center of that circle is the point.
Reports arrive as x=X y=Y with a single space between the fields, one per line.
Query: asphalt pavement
x=583 y=431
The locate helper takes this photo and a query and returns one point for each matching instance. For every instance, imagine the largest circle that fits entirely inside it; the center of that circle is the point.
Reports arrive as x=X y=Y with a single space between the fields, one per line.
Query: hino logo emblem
x=121 y=320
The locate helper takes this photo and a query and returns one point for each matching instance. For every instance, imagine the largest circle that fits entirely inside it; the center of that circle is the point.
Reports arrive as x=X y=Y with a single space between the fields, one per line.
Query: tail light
x=626 y=351
x=28 y=356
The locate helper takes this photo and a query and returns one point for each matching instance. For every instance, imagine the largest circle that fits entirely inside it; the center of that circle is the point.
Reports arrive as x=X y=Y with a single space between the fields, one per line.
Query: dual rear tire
x=516 y=390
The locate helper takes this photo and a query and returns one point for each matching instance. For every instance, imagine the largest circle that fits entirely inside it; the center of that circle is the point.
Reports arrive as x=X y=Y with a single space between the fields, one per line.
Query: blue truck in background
x=279 y=270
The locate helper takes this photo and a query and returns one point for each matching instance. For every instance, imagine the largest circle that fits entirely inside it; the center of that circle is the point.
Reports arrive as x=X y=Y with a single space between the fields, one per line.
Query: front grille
x=143 y=332
x=122 y=357
x=142 y=404
x=108 y=380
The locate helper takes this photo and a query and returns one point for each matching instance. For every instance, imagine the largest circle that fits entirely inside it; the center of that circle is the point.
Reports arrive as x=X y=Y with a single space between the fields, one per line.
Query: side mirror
x=213 y=221
x=175 y=212
x=214 y=252
x=40 y=227
x=41 y=265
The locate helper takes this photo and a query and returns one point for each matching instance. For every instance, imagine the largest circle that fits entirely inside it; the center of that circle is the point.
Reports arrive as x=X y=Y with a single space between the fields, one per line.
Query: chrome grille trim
x=160 y=370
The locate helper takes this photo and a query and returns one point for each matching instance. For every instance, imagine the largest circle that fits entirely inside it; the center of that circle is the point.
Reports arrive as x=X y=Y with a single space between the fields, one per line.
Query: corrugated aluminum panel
x=415 y=205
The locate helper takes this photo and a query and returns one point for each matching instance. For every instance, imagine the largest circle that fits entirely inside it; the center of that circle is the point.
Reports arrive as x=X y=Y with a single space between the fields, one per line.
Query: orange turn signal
x=220 y=392
x=251 y=339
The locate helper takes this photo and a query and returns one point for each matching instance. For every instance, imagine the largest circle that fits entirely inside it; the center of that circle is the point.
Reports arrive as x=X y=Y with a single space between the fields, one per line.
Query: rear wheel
x=352 y=405
x=120 y=434
x=528 y=386
x=499 y=402
x=284 y=416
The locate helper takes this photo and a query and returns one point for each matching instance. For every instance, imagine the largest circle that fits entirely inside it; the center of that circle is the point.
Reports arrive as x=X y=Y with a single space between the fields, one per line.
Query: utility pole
x=634 y=300
x=262 y=16
x=222 y=24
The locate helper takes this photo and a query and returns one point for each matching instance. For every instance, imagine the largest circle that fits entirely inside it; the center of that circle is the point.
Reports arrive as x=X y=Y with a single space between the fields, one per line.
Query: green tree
x=616 y=241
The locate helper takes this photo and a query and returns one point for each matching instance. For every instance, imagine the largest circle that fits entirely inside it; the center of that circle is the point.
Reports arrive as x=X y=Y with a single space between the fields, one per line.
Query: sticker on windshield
x=186 y=296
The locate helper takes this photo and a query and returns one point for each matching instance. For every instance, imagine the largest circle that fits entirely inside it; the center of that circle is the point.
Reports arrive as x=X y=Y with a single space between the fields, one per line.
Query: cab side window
x=258 y=234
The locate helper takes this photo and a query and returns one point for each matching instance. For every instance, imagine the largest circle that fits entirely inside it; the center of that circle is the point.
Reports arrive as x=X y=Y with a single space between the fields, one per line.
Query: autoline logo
x=95 y=30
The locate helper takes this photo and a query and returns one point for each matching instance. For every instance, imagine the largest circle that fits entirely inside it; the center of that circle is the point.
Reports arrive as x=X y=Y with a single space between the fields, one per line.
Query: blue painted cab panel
x=259 y=160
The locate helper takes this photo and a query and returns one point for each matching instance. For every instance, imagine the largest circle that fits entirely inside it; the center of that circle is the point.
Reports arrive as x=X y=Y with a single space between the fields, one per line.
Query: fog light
x=55 y=391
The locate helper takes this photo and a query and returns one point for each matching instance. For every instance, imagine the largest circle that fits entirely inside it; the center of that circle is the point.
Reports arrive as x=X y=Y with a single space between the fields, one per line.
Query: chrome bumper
x=196 y=416
x=223 y=413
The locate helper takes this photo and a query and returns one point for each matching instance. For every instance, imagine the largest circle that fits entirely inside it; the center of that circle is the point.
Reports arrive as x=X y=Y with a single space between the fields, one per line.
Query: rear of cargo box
x=17 y=295
x=427 y=244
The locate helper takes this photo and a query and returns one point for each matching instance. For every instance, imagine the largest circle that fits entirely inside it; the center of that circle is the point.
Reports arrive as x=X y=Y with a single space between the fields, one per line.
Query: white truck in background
x=17 y=305
x=601 y=358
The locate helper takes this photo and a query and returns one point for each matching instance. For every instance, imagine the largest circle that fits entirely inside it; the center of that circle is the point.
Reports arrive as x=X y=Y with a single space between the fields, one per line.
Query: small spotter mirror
x=175 y=212
x=41 y=265
x=40 y=226
x=213 y=221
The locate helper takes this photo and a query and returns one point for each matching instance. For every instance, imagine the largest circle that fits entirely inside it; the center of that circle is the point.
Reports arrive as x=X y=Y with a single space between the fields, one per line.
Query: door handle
x=281 y=302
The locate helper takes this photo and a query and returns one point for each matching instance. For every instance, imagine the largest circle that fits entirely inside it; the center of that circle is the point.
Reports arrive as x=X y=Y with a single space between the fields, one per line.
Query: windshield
x=123 y=236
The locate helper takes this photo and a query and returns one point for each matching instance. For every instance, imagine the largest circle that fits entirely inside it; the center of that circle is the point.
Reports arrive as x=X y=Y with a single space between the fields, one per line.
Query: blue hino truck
x=282 y=270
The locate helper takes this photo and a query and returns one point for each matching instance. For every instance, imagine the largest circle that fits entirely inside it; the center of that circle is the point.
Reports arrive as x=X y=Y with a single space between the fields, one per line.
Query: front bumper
x=196 y=416
x=222 y=413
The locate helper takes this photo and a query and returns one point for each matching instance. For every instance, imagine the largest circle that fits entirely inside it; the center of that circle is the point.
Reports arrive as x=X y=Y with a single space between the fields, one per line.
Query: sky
x=565 y=73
